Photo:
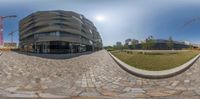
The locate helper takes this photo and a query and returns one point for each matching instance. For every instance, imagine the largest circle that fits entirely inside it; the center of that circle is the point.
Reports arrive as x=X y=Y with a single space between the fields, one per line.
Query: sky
x=123 y=19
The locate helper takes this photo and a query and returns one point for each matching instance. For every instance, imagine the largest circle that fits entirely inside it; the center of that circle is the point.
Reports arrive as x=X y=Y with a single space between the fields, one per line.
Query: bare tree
x=170 y=43
x=133 y=44
x=150 y=42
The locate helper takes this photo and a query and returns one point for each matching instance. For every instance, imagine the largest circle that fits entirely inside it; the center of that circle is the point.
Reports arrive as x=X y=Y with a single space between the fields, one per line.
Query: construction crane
x=11 y=34
x=1 y=26
x=191 y=21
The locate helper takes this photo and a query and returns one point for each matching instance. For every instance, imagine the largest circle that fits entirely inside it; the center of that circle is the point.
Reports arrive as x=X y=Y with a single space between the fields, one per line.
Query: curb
x=155 y=74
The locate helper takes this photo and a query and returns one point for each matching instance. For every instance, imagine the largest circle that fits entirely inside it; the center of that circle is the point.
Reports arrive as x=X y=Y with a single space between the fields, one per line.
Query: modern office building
x=58 y=32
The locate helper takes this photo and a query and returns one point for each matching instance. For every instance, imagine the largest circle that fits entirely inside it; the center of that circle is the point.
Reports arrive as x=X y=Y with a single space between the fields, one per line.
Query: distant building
x=187 y=42
x=135 y=41
x=193 y=45
x=142 y=41
x=196 y=45
x=128 y=41
x=162 y=44
x=118 y=43
x=10 y=45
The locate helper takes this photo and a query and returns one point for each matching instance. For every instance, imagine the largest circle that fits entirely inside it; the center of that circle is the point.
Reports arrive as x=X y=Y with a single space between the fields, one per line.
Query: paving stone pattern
x=90 y=75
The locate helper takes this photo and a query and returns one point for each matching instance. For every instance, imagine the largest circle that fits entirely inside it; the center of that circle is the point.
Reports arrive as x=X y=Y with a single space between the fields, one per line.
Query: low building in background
x=10 y=45
x=196 y=45
x=162 y=44
x=128 y=41
x=134 y=41
x=158 y=44
x=118 y=43
x=58 y=32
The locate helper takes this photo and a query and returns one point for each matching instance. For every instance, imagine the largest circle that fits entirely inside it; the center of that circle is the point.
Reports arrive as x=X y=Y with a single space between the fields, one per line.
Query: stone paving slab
x=89 y=76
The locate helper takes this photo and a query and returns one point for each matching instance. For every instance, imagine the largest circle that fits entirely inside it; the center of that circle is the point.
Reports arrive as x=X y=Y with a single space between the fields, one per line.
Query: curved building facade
x=58 y=32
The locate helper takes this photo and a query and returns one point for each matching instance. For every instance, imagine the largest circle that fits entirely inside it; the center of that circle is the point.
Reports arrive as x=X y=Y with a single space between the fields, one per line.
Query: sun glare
x=100 y=18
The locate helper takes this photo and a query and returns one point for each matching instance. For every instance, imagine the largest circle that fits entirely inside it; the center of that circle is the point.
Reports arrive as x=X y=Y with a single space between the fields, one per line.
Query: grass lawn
x=155 y=62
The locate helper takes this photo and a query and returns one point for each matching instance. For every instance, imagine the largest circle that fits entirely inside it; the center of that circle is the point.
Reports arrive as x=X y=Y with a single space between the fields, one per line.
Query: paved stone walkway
x=92 y=75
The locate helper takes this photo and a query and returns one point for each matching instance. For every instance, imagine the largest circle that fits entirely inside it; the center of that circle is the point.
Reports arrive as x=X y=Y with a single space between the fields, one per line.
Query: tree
x=170 y=43
x=150 y=42
x=133 y=44
x=117 y=47
x=144 y=46
x=125 y=46
x=190 y=46
x=109 y=48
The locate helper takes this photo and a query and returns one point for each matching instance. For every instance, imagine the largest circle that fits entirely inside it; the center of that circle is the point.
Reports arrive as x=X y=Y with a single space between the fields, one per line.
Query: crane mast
x=1 y=27
x=11 y=34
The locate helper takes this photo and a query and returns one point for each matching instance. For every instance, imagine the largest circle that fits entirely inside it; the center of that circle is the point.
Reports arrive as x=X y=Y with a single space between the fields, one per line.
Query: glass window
x=91 y=42
x=90 y=31
x=57 y=33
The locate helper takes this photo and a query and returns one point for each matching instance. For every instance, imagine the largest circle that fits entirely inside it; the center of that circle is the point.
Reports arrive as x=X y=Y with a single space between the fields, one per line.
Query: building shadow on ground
x=53 y=56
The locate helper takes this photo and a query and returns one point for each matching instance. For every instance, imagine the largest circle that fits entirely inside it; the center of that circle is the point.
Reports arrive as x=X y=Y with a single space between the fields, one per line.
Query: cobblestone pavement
x=93 y=75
